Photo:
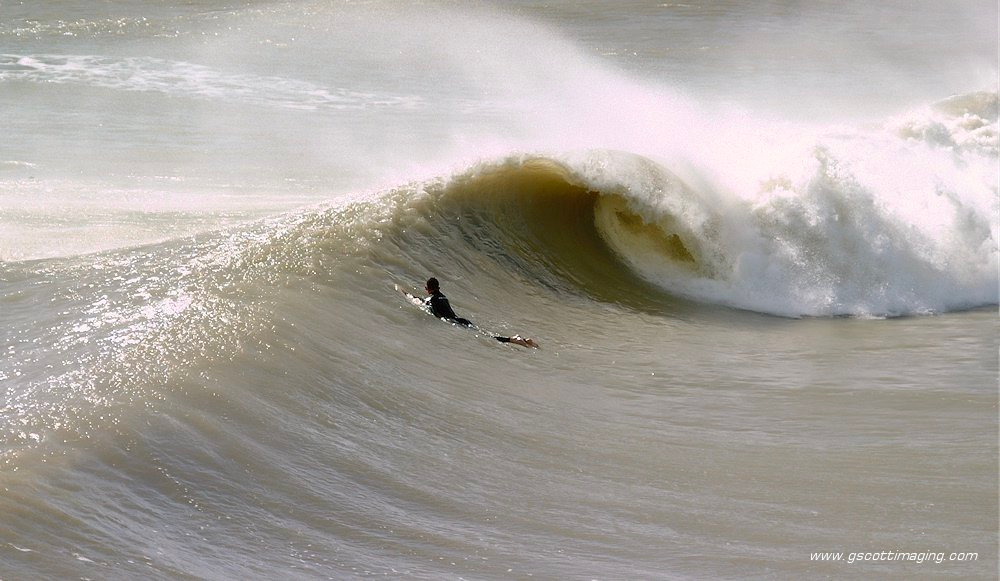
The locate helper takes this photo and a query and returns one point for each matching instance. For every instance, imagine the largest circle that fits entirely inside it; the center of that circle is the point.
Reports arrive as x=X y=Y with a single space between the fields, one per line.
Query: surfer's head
x=432 y=285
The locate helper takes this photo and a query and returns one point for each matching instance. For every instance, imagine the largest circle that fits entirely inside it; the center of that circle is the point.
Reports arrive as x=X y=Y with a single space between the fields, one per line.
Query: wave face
x=764 y=287
x=260 y=400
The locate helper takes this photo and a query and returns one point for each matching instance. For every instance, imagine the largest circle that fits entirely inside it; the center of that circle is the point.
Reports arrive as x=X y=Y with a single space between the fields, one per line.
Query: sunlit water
x=756 y=243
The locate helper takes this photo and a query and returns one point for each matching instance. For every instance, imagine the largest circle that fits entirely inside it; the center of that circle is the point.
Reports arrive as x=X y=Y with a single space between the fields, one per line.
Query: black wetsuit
x=441 y=308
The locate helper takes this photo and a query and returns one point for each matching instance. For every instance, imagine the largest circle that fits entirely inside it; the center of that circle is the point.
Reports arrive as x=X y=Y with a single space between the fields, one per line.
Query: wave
x=892 y=220
x=608 y=226
x=826 y=245
x=883 y=222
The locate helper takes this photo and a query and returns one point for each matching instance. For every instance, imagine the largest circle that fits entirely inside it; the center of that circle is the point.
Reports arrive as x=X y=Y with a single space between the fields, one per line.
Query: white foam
x=865 y=222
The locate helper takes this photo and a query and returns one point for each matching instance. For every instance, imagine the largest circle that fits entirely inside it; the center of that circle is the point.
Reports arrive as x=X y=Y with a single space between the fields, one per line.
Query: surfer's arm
x=410 y=296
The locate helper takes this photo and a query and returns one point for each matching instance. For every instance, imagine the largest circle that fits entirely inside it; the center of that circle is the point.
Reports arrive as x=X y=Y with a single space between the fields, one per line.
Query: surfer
x=439 y=305
x=441 y=308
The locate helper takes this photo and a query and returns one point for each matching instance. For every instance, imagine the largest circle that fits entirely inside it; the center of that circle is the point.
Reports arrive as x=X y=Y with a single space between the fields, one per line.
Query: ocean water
x=757 y=243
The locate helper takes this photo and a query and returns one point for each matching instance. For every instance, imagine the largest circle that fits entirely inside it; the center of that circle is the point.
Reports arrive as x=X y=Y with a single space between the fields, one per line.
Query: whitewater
x=757 y=245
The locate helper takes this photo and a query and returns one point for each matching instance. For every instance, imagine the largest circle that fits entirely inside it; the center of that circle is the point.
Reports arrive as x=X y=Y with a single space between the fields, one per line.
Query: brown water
x=758 y=353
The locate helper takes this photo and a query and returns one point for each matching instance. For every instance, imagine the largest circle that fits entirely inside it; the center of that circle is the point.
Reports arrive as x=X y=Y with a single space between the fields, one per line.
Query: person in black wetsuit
x=441 y=308
x=439 y=305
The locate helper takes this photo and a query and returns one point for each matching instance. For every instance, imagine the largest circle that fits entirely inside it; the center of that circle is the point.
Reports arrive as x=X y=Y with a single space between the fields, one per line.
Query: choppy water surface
x=757 y=246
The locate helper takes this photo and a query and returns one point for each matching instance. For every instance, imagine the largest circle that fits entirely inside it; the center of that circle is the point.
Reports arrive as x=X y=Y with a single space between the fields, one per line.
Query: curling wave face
x=901 y=228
